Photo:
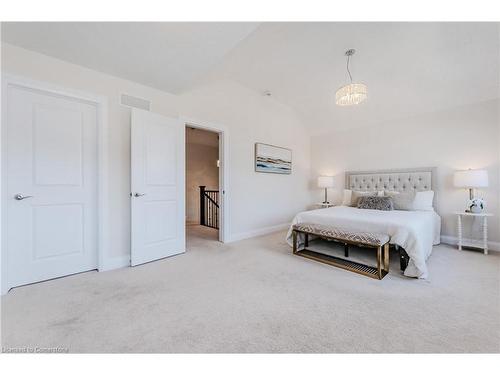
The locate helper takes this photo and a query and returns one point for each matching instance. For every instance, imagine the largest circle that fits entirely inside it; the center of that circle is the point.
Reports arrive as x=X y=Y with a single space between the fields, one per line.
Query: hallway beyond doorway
x=196 y=233
x=202 y=183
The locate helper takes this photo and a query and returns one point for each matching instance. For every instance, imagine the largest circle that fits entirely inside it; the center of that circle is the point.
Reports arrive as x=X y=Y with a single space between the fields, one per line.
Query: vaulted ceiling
x=170 y=56
x=409 y=68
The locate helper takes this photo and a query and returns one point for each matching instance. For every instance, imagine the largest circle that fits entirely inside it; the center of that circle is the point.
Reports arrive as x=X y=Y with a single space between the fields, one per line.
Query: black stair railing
x=209 y=207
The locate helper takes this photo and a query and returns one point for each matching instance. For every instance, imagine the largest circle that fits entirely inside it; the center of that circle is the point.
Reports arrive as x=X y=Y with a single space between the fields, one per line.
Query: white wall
x=201 y=170
x=458 y=138
x=256 y=201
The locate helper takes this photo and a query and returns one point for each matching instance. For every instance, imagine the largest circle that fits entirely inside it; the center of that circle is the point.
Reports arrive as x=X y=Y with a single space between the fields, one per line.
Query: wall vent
x=135 y=102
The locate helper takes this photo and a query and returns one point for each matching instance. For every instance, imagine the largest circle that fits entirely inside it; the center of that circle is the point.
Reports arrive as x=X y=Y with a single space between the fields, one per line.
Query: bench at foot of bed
x=361 y=239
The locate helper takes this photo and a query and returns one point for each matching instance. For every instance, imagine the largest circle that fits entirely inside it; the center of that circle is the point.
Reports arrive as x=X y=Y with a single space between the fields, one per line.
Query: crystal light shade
x=351 y=94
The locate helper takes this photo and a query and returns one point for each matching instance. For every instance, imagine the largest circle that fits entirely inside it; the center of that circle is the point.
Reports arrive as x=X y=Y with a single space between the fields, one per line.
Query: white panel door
x=51 y=191
x=157 y=191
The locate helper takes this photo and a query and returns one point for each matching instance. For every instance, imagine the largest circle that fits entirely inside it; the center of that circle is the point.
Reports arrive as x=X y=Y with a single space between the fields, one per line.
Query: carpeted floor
x=254 y=296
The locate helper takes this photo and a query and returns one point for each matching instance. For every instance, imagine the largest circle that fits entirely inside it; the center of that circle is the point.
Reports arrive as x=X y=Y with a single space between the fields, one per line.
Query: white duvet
x=415 y=231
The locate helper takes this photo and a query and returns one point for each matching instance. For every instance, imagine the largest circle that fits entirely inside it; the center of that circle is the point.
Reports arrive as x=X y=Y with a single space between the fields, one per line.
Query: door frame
x=101 y=103
x=223 y=170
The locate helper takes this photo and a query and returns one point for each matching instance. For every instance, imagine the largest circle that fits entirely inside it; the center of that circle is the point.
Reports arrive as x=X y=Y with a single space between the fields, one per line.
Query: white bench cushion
x=365 y=238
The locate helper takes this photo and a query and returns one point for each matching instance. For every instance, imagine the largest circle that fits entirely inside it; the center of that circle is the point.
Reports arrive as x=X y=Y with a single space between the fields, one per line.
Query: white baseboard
x=115 y=263
x=452 y=240
x=258 y=232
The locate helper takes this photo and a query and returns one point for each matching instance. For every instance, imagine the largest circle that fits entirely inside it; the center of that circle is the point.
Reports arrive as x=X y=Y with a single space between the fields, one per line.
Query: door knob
x=20 y=197
x=139 y=194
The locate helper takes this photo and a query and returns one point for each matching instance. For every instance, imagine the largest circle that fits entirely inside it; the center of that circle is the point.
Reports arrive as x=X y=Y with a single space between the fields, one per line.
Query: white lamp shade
x=325 y=181
x=472 y=178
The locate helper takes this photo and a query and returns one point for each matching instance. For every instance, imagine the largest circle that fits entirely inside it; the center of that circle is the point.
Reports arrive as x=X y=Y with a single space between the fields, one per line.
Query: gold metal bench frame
x=378 y=272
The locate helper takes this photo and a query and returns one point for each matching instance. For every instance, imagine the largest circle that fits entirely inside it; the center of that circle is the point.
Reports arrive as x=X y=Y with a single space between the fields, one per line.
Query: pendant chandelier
x=353 y=93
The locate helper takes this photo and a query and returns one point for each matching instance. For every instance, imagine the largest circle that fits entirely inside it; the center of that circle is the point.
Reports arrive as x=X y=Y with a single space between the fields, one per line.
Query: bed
x=415 y=231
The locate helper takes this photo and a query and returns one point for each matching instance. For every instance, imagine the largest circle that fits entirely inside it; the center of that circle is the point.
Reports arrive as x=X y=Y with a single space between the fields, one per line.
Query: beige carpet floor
x=254 y=296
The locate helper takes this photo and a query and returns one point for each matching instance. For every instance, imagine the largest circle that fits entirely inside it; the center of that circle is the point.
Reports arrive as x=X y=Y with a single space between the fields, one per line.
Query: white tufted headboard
x=417 y=179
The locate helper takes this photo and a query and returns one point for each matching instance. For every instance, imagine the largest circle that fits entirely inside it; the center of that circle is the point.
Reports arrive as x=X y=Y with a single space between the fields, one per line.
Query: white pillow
x=423 y=201
x=346 y=200
x=402 y=201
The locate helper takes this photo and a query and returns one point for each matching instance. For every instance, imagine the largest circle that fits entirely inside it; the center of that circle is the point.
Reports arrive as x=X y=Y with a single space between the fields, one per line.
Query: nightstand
x=485 y=217
x=323 y=205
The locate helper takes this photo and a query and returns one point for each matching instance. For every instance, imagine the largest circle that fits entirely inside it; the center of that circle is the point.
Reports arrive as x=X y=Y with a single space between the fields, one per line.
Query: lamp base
x=326 y=197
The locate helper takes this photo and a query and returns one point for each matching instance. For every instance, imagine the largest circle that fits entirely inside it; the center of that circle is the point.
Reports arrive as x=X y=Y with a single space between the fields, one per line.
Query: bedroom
x=374 y=146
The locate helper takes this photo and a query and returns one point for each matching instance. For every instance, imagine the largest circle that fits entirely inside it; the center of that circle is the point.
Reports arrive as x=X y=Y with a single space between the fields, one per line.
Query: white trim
x=259 y=232
x=452 y=240
x=497 y=182
x=101 y=103
x=224 y=227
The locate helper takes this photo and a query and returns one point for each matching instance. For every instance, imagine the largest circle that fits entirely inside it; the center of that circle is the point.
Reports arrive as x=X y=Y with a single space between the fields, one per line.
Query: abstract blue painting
x=272 y=159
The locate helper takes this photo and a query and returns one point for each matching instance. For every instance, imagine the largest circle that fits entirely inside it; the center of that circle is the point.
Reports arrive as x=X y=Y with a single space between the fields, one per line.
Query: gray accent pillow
x=358 y=194
x=402 y=201
x=376 y=203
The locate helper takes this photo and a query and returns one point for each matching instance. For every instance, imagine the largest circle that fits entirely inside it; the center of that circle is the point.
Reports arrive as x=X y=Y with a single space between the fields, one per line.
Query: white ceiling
x=169 y=56
x=409 y=68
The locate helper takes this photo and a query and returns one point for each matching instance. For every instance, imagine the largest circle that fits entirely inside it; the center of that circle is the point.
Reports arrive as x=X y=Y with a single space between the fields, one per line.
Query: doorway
x=203 y=184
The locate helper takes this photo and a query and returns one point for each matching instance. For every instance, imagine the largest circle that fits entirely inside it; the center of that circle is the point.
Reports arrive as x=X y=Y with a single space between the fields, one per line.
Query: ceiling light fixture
x=353 y=93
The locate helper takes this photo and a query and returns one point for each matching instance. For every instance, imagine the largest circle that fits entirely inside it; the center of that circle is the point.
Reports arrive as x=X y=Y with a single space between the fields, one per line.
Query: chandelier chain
x=348 y=71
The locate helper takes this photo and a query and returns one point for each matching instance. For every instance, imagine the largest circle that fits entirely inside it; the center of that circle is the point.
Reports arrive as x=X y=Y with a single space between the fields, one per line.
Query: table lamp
x=471 y=179
x=325 y=182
